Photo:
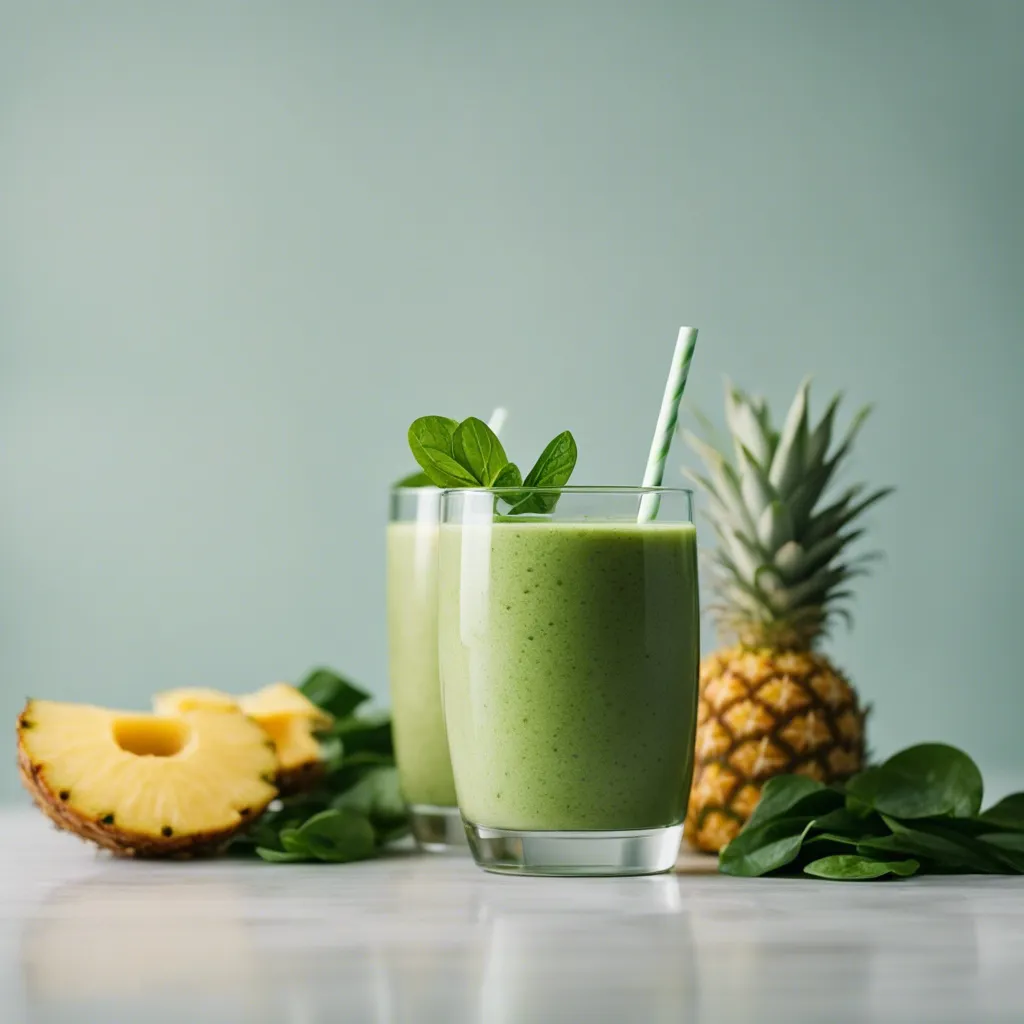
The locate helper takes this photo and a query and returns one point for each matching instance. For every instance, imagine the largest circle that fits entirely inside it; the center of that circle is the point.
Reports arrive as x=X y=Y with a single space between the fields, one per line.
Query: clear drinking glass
x=421 y=748
x=569 y=641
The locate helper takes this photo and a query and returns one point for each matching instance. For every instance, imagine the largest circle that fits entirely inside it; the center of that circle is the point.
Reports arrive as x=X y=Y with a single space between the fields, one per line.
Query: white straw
x=497 y=420
x=655 y=472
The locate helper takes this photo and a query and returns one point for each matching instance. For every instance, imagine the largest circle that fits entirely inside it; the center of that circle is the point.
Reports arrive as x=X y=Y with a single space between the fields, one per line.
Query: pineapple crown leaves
x=782 y=563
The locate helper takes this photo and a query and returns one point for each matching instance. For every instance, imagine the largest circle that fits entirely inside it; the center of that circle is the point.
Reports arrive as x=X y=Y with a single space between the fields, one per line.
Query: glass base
x=634 y=852
x=437 y=829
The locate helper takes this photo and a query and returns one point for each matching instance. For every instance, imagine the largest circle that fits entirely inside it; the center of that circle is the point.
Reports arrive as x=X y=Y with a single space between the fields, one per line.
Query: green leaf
x=788 y=461
x=821 y=437
x=1008 y=847
x=377 y=795
x=945 y=847
x=415 y=480
x=767 y=848
x=552 y=469
x=927 y=780
x=780 y=795
x=333 y=692
x=477 y=448
x=332 y=752
x=338 y=836
x=745 y=428
x=847 y=822
x=293 y=842
x=365 y=733
x=1008 y=813
x=431 y=439
x=556 y=463
x=774 y=527
x=829 y=837
x=509 y=476
x=280 y=856
x=851 y=867
x=1004 y=840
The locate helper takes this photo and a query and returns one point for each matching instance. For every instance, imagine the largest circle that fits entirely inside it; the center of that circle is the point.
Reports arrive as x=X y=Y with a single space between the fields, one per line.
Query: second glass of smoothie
x=421 y=747
x=569 y=643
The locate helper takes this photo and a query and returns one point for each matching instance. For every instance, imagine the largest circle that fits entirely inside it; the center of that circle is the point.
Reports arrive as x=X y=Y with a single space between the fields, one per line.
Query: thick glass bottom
x=633 y=852
x=437 y=829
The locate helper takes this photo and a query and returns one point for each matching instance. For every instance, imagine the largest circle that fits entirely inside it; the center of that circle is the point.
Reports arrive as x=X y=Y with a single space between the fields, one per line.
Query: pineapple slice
x=145 y=785
x=282 y=699
x=288 y=717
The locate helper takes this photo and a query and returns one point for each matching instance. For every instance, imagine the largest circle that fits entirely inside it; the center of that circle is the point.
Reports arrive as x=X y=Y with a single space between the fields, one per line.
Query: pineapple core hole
x=150 y=737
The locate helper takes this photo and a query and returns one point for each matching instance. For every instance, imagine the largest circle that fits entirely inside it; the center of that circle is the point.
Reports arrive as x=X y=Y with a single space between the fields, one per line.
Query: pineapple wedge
x=288 y=717
x=145 y=785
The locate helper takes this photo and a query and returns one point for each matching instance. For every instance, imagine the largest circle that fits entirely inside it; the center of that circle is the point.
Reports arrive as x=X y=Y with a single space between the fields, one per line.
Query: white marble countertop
x=412 y=938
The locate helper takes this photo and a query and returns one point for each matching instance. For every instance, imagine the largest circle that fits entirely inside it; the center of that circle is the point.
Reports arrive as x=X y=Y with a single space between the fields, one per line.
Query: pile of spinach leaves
x=918 y=813
x=356 y=807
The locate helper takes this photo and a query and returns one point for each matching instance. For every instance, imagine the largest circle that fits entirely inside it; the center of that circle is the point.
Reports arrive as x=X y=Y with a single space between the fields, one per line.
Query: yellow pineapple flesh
x=146 y=785
x=761 y=713
x=287 y=716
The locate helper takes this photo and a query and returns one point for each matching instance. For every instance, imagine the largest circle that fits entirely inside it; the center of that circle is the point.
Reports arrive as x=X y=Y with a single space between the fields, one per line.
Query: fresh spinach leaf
x=767 y=848
x=333 y=692
x=292 y=841
x=830 y=837
x=1004 y=840
x=338 y=836
x=509 y=476
x=793 y=795
x=419 y=479
x=280 y=856
x=365 y=733
x=1008 y=813
x=378 y=796
x=851 y=867
x=845 y=822
x=552 y=469
x=945 y=848
x=1007 y=847
x=927 y=780
x=432 y=440
x=476 y=448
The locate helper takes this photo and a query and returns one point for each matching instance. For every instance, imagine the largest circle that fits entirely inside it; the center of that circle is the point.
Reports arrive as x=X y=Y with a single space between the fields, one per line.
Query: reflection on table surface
x=413 y=938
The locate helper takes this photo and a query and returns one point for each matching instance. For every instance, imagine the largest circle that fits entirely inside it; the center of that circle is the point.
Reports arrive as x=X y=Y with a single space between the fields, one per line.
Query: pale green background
x=242 y=245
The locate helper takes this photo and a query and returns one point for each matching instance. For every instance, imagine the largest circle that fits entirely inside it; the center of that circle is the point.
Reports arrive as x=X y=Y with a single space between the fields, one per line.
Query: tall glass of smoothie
x=421 y=747
x=569 y=642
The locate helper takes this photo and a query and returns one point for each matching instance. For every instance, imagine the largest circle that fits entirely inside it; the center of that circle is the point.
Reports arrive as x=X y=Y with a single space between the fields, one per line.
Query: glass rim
x=571 y=489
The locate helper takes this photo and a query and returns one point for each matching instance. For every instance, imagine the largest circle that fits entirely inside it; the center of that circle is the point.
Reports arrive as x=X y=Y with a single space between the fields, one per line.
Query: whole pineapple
x=771 y=704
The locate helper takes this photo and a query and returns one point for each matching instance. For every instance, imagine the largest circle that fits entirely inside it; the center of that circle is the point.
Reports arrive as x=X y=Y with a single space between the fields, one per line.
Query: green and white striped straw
x=674 y=386
x=497 y=420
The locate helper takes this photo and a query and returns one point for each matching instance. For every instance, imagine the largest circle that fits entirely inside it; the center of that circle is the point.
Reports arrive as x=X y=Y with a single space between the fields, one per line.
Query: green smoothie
x=569 y=658
x=421 y=747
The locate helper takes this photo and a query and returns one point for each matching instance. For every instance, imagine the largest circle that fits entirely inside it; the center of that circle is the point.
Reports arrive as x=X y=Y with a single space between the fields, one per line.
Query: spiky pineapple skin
x=764 y=712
